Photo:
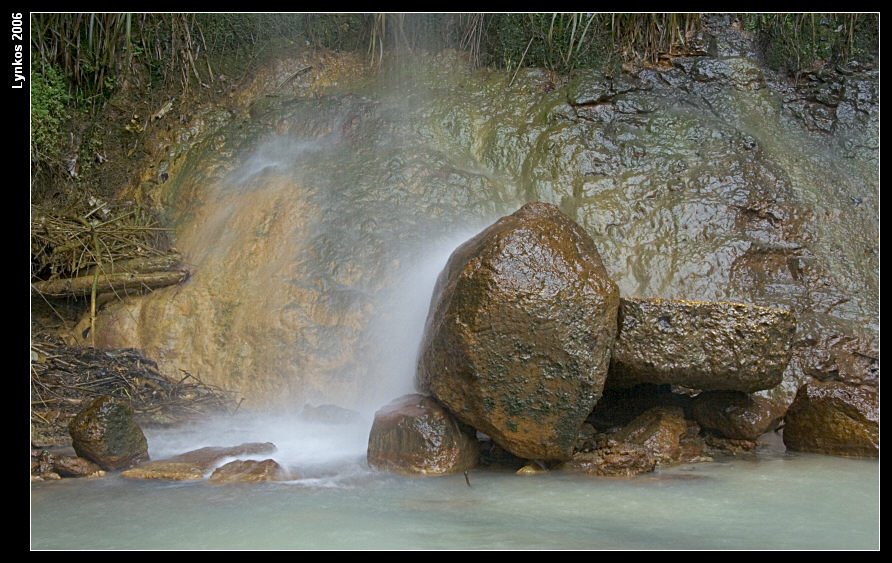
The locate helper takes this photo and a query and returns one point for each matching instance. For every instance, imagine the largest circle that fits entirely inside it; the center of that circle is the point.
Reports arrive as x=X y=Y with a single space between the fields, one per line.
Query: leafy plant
x=49 y=100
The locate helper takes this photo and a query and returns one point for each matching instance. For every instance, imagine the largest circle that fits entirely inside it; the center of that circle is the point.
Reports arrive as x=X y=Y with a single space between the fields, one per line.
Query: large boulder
x=414 y=435
x=708 y=346
x=520 y=332
x=105 y=433
x=834 y=418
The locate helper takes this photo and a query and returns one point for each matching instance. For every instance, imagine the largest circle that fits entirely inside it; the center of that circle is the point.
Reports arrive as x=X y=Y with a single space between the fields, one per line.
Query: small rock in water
x=621 y=460
x=248 y=471
x=737 y=415
x=834 y=418
x=105 y=432
x=414 y=435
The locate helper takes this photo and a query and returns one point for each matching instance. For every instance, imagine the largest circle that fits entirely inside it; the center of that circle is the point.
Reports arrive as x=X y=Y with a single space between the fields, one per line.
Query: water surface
x=775 y=500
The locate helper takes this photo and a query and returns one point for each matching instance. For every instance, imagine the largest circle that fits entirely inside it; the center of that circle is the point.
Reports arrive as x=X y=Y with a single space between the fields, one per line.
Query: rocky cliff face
x=708 y=179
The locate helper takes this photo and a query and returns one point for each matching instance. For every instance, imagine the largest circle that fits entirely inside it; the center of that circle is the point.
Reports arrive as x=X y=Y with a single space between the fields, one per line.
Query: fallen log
x=138 y=265
x=119 y=283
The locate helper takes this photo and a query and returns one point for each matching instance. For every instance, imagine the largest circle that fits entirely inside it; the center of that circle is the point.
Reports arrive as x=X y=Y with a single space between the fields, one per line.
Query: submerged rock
x=737 y=415
x=414 y=435
x=248 y=471
x=520 y=332
x=709 y=346
x=330 y=414
x=195 y=464
x=834 y=418
x=106 y=433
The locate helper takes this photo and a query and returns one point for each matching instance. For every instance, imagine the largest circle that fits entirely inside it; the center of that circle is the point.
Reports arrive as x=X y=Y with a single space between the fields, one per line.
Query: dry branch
x=118 y=283
x=139 y=265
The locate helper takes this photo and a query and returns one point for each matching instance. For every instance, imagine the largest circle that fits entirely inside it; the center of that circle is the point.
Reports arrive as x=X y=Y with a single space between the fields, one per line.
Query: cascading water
x=315 y=230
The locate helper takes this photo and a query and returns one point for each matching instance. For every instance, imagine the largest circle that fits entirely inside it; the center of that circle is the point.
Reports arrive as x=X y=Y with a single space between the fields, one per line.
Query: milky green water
x=776 y=500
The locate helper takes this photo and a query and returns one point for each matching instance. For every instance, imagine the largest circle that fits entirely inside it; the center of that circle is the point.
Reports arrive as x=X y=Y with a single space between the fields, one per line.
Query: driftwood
x=138 y=265
x=105 y=283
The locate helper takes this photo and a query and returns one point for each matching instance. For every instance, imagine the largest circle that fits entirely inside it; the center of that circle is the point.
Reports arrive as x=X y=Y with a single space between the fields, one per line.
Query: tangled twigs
x=63 y=377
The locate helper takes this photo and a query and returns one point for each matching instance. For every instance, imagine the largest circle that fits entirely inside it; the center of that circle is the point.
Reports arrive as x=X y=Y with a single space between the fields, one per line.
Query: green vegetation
x=49 y=100
x=562 y=42
x=795 y=42
x=80 y=61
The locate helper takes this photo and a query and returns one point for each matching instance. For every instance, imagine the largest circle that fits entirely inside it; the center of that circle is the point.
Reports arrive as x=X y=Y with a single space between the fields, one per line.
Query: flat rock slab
x=518 y=338
x=195 y=464
x=414 y=435
x=834 y=418
x=248 y=471
x=699 y=345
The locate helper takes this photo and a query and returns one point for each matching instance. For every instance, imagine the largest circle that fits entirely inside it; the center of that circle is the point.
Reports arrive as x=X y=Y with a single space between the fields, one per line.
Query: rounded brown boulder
x=413 y=435
x=520 y=332
x=104 y=432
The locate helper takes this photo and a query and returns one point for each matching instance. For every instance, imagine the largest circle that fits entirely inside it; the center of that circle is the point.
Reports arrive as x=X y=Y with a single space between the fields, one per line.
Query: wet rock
x=742 y=72
x=737 y=415
x=659 y=431
x=718 y=445
x=586 y=438
x=622 y=460
x=167 y=471
x=531 y=469
x=689 y=188
x=709 y=346
x=520 y=331
x=248 y=471
x=414 y=435
x=330 y=414
x=834 y=418
x=195 y=464
x=104 y=432
x=74 y=466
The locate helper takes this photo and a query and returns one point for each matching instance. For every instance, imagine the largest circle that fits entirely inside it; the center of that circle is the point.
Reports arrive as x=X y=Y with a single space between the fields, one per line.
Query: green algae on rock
x=699 y=345
x=520 y=331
